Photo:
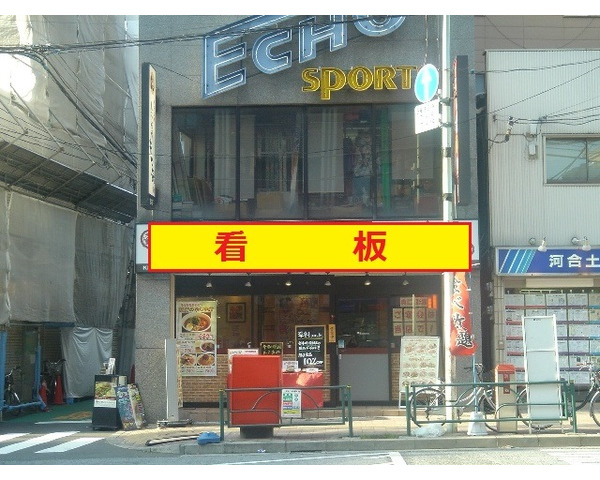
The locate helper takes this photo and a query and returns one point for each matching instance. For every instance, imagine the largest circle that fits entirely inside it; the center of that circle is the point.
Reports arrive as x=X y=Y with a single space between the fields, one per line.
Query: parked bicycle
x=429 y=403
x=591 y=397
x=11 y=398
x=52 y=374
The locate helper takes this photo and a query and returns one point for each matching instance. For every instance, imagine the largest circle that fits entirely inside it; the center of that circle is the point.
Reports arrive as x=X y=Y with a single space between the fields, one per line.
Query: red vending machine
x=258 y=408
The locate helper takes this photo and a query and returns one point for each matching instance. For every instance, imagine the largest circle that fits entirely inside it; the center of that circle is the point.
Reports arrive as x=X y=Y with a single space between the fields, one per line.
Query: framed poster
x=236 y=312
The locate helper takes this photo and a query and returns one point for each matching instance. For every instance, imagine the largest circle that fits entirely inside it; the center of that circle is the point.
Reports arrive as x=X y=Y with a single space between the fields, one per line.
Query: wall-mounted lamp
x=327 y=282
x=367 y=280
x=584 y=242
x=542 y=247
x=209 y=283
x=288 y=282
x=248 y=282
x=405 y=281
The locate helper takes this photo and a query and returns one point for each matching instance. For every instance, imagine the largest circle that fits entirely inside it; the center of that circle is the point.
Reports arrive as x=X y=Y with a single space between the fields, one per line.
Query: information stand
x=105 y=414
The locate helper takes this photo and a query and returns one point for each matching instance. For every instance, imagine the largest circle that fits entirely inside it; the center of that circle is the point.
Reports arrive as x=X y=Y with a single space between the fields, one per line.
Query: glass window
x=572 y=160
x=340 y=162
x=204 y=164
x=408 y=166
x=362 y=322
x=325 y=162
x=271 y=176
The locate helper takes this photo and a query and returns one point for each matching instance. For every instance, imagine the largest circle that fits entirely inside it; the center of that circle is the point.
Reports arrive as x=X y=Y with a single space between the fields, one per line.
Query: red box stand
x=311 y=399
x=255 y=371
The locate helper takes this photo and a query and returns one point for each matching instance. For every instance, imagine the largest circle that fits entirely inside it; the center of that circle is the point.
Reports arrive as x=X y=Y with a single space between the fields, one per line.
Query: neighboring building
x=543 y=137
x=68 y=143
x=539 y=70
x=245 y=132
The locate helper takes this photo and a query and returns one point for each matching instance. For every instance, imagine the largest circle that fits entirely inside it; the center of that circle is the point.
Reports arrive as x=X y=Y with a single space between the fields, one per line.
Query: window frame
x=587 y=139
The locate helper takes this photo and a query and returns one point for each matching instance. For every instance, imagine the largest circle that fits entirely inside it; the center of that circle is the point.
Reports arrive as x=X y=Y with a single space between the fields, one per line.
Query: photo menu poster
x=196 y=323
x=419 y=360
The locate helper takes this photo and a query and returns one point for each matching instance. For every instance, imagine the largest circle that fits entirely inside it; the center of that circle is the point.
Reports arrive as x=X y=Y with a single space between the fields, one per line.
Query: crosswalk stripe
x=34 y=441
x=70 y=445
x=576 y=456
x=397 y=458
x=5 y=437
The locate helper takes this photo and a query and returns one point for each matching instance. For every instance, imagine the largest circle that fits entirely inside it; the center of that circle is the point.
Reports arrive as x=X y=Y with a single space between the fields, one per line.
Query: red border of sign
x=287 y=270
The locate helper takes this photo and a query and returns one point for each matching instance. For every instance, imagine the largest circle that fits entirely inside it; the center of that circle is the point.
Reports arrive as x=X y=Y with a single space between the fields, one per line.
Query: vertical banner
x=196 y=337
x=461 y=337
x=148 y=150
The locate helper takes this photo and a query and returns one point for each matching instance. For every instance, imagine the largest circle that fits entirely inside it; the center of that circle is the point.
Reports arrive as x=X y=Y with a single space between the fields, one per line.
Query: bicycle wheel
x=428 y=405
x=12 y=399
x=523 y=413
x=595 y=407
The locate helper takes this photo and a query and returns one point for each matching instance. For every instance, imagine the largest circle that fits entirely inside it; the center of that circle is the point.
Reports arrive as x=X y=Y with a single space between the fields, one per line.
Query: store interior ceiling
x=355 y=283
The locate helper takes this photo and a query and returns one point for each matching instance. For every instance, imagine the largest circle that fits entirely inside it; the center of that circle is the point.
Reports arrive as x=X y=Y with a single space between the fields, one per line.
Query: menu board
x=271 y=348
x=419 y=360
x=105 y=413
x=310 y=346
x=196 y=337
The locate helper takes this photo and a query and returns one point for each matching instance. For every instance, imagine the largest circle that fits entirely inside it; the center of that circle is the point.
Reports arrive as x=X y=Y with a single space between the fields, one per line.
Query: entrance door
x=363 y=353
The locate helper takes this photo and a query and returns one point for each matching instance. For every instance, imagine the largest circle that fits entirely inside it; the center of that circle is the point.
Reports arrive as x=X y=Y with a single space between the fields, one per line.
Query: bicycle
x=592 y=397
x=593 y=394
x=429 y=403
x=11 y=398
x=52 y=375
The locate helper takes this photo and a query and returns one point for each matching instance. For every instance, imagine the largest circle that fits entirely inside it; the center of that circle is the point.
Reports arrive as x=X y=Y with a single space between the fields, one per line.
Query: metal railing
x=261 y=403
x=564 y=408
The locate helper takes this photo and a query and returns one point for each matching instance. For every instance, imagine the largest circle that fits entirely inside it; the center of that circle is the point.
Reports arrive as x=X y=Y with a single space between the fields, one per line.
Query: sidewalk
x=374 y=429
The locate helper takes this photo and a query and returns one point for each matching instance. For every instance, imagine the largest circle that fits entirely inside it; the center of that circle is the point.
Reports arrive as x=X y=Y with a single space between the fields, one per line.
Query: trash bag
x=208 y=437
x=430 y=430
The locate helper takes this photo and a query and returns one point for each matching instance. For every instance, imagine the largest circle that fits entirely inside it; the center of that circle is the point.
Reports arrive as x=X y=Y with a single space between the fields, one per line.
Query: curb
x=191 y=447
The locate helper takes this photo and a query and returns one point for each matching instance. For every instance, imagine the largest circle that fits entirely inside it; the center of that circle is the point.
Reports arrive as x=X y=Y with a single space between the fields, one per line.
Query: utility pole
x=447 y=206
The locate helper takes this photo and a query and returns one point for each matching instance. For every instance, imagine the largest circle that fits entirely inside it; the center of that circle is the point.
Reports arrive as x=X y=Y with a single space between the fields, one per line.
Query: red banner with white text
x=461 y=336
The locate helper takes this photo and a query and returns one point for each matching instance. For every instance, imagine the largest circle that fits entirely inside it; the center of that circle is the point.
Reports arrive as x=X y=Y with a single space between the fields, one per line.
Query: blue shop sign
x=554 y=261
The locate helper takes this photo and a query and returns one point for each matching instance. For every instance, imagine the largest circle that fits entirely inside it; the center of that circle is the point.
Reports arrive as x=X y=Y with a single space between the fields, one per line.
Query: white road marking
x=9 y=436
x=397 y=458
x=70 y=445
x=576 y=456
x=34 y=442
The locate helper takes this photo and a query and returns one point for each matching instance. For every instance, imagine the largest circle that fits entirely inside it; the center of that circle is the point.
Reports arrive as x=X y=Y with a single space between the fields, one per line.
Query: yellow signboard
x=309 y=247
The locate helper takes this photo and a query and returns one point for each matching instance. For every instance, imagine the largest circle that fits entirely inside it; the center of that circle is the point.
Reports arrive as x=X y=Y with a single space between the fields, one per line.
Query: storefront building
x=295 y=119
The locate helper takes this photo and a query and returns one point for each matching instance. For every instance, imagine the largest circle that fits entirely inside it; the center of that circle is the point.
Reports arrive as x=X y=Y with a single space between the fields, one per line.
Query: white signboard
x=141 y=247
x=541 y=365
x=419 y=360
x=427 y=116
